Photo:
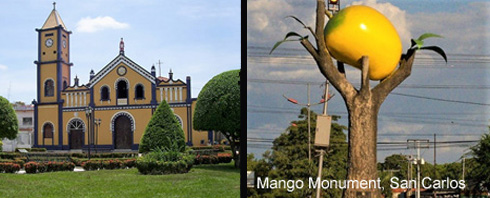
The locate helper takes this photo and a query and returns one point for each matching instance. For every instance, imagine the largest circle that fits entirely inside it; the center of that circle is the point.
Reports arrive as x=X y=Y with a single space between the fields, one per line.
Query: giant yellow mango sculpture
x=358 y=31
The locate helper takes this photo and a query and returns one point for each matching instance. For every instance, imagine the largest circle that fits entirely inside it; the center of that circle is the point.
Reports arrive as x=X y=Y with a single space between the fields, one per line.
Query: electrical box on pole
x=322 y=133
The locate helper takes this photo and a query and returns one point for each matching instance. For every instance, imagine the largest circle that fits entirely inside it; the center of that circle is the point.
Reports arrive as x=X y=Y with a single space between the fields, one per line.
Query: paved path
x=77 y=169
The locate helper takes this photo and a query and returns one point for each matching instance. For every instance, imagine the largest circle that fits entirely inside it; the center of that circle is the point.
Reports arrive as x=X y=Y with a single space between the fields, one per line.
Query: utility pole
x=435 y=168
x=464 y=160
x=322 y=136
x=419 y=160
x=309 y=126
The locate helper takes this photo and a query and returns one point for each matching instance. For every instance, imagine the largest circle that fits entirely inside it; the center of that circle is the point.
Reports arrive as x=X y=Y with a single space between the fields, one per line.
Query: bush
x=9 y=155
x=9 y=167
x=34 y=167
x=130 y=163
x=148 y=165
x=97 y=164
x=162 y=131
x=31 y=167
x=224 y=157
x=92 y=165
x=1 y=146
x=219 y=147
x=112 y=164
x=213 y=159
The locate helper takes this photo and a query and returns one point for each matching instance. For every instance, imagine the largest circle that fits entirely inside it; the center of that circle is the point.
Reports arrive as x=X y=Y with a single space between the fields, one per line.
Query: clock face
x=121 y=71
x=49 y=42
x=64 y=43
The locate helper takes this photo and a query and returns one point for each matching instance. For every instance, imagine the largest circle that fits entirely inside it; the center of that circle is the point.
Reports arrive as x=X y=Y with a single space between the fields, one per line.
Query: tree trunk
x=363 y=114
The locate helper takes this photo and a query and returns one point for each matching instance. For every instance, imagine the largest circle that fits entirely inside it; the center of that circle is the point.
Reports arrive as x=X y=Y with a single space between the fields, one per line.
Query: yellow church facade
x=111 y=111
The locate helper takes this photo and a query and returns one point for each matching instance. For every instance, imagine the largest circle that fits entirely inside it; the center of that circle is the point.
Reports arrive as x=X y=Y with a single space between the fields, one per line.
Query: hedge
x=213 y=159
x=5 y=155
x=79 y=161
x=9 y=167
x=108 y=164
x=34 y=167
x=9 y=155
x=152 y=167
x=214 y=147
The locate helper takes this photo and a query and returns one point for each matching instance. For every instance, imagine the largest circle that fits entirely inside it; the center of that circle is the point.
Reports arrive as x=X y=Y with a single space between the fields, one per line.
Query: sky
x=193 y=38
x=451 y=100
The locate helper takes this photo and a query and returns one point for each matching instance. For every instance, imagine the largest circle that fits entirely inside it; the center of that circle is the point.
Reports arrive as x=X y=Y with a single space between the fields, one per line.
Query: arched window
x=104 y=93
x=122 y=89
x=76 y=125
x=139 y=92
x=65 y=84
x=49 y=88
x=179 y=120
x=48 y=130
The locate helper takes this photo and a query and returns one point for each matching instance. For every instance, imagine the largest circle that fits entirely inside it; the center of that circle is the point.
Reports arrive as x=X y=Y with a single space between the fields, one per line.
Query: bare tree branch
x=365 y=75
x=382 y=90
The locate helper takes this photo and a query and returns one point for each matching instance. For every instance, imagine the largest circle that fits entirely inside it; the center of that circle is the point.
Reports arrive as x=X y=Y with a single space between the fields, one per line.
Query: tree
x=9 y=125
x=218 y=108
x=163 y=131
x=481 y=172
x=289 y=160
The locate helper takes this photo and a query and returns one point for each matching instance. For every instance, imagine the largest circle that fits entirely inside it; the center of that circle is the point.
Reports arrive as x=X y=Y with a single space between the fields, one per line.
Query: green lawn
x=218 y=180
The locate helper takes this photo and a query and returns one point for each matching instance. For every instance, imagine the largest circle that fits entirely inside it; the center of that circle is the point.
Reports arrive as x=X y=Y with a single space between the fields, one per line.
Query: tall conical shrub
x=163 y=131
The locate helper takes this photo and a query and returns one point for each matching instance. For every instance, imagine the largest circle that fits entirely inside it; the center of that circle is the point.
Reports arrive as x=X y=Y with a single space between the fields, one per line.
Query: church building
x=111 y=111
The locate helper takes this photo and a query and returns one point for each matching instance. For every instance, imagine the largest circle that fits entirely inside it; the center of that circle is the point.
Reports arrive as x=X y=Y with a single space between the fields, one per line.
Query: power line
x=412 y=86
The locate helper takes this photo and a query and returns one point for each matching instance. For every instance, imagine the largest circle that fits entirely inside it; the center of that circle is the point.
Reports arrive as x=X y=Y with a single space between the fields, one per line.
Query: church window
x=48 y=130
x=49 y=88
x=104 y=93
x=139 y=92
x=76 y=125
x=122 y=89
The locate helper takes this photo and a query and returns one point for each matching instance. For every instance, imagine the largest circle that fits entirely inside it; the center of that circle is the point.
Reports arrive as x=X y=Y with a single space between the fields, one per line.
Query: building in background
x=25 y=117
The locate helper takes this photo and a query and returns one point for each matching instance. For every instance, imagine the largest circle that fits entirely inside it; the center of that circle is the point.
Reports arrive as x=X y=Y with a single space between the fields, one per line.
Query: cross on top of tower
x=159 y=68
x=54 y=5
x=121 y=47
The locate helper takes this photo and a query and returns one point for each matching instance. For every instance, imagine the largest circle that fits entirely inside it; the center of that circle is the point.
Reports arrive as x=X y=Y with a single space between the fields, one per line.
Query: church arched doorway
x=123 y=135
x=76 y=129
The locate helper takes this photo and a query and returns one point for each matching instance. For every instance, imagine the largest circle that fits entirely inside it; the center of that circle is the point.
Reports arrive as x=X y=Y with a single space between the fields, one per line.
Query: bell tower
x=53 y=58
x=53 y=76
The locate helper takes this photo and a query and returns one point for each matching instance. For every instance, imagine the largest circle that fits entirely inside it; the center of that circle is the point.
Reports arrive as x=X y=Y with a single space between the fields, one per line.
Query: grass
x=217 y=180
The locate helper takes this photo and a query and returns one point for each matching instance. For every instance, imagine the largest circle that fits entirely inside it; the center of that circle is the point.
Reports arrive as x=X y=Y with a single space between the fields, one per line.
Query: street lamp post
x=97 y=124
x=88 y=114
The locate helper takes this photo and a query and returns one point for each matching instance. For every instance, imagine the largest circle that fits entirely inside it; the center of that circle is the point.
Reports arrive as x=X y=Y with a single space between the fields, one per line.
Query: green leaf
x=428 y=35
x=437 y=50
x=418 y=43
x=299 y=21
x=289 y=34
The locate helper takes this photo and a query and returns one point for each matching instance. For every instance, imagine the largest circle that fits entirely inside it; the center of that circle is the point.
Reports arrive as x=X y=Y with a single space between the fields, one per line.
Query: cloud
x=396 y=16
x=91 y=25
x=464 y=31
x=266 y=22
x=3 y=67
